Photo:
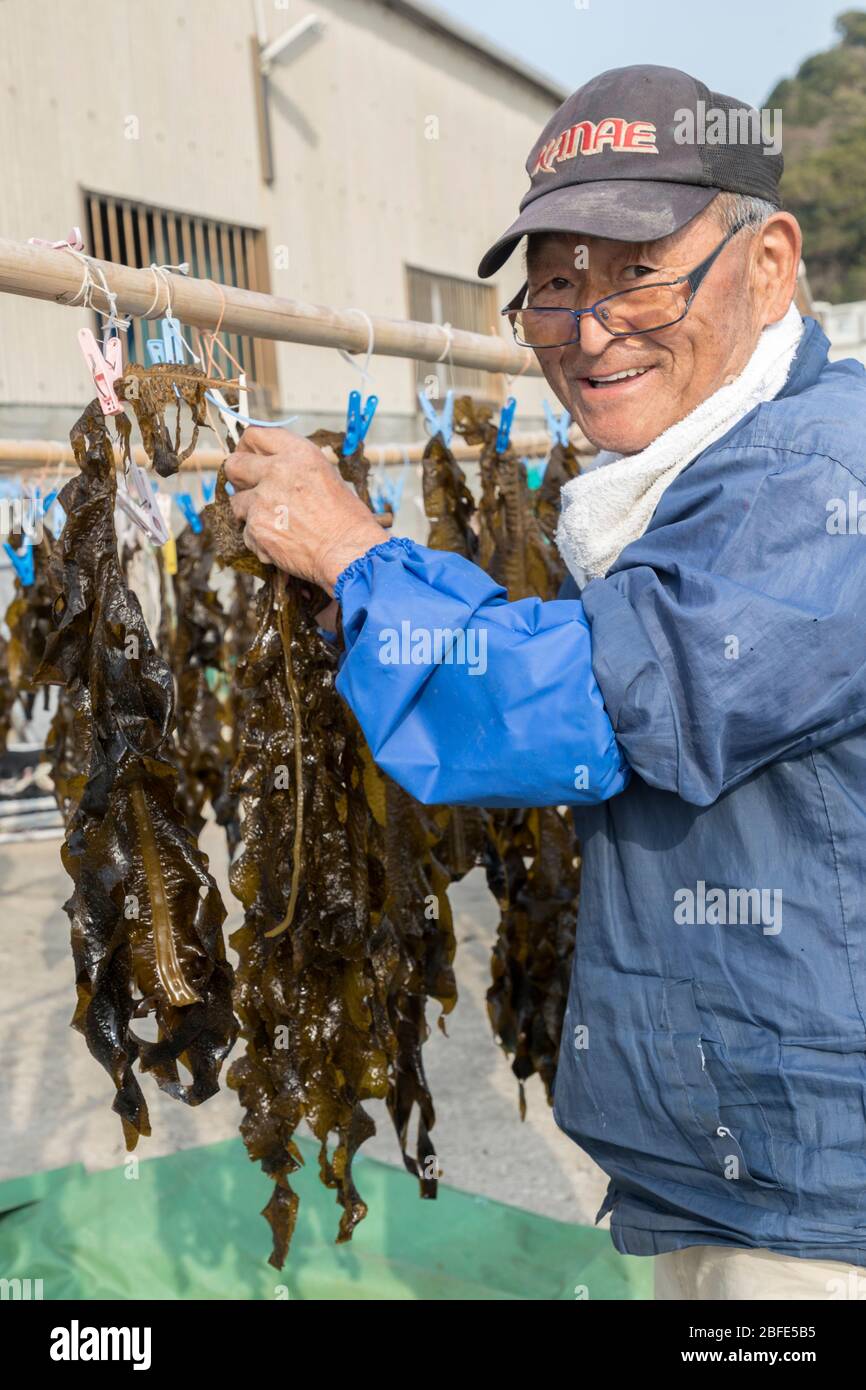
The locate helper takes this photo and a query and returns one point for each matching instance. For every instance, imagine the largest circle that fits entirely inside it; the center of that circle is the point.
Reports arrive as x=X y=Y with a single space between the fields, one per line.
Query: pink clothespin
x=74 y=242
x=106 y=365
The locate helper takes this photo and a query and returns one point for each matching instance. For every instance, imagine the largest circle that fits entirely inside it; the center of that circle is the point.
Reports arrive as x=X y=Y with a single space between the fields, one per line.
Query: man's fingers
x=260 y=439
x=251 y=545
x=240 y=504
x=245 y=470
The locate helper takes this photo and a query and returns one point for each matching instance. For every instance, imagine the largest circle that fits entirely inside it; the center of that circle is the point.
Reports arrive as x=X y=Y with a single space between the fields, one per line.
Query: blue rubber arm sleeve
x=466 y=699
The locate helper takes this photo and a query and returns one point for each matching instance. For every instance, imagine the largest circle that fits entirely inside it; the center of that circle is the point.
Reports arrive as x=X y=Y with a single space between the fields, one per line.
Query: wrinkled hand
x=298 y=514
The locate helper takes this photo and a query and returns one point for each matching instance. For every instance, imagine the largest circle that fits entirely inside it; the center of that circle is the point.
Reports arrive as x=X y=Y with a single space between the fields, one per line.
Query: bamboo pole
x=41 y=273
x=17 y=454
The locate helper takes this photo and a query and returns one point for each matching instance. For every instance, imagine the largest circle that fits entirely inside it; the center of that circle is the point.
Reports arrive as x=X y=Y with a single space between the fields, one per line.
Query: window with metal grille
x=463 y=304
x=139 y=234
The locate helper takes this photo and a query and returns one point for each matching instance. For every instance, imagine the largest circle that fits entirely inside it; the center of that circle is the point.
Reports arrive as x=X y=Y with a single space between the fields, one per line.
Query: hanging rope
x=366 y=375
x=89 y=286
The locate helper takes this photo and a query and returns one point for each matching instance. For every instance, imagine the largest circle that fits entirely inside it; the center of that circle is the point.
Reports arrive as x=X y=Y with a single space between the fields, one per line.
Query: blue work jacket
x=706 y=700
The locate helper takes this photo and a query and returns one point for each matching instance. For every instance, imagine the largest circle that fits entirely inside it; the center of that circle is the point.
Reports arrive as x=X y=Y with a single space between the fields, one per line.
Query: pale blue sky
x=739 y=47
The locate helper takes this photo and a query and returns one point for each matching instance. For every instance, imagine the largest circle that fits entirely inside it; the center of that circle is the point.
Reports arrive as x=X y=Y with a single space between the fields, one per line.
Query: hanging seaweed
x=29 y=619
x=448 y=501
x=146 y=914
x=416 y=903
x=238 y=637
x=7 y=694
x=203 y=730
x=562 y=465
x=347 y=929
x=537 y=889
x=151 y=391
x=414 y=848
x=450 y=509
x=532 y=858
x=63 y=753
x=512 y=546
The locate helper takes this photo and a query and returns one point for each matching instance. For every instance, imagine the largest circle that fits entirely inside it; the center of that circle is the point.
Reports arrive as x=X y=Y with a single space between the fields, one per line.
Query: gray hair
x=730 y=208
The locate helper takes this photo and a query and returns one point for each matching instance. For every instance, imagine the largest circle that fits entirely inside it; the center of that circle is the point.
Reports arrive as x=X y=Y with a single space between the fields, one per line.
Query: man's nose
x=593 y=338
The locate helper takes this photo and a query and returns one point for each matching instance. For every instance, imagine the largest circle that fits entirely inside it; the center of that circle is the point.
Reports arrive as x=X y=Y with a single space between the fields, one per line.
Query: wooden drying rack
x=41 y=273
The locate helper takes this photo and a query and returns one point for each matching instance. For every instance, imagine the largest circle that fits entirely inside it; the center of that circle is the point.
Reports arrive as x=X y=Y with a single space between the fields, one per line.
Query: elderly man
x=701 y=703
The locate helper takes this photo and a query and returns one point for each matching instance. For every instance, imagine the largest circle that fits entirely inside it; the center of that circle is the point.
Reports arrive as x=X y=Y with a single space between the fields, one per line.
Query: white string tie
x=350 y=358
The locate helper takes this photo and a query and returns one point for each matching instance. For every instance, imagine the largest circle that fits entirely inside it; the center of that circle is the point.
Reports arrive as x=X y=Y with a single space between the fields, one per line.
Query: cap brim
x=620 y=209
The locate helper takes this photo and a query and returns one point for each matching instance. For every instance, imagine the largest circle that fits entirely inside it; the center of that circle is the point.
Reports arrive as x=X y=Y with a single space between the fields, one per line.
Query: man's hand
x=298 y=513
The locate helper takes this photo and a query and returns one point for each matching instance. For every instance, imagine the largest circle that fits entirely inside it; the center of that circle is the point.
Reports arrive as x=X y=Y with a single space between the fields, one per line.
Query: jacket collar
x=809 y=361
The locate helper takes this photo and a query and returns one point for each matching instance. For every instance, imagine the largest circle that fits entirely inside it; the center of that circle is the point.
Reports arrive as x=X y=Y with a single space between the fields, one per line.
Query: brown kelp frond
x=531 y=857
x=151 y=391
x=512 y=545
x=146 y=914
x=448 y=502
x=347 y=930
x=201 y=658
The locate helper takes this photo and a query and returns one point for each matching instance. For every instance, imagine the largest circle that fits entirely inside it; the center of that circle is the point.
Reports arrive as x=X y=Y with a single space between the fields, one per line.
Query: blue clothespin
x=208 y=489
x=23 y=561
x=170 y=347
x=440 y=421
x=557 y=426
x=534 y=472
x=357 y=421
x=172 y=337
x=46 y=505
x=387 y=494
x=506 y=418
x=446 y=418
x=187 y=506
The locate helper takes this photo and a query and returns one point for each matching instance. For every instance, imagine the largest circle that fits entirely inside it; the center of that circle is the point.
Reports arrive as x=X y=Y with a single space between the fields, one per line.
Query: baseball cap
x=635 y=154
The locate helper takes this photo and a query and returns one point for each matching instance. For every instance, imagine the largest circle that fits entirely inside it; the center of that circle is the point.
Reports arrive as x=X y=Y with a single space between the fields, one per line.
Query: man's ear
x=778 y=249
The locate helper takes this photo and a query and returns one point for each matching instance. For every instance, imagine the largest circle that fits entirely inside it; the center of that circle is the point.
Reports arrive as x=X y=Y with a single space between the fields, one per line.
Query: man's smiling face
x=748 y=286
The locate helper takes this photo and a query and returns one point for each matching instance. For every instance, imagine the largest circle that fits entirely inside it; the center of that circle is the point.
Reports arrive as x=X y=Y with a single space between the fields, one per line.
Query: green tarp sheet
x=188 y=1227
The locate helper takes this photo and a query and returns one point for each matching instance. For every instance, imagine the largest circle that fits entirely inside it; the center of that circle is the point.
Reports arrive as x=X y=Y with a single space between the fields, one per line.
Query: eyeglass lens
x=636 y=311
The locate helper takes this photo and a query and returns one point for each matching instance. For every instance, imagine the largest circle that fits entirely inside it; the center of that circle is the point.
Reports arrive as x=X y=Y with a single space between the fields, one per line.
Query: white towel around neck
x=610 y=505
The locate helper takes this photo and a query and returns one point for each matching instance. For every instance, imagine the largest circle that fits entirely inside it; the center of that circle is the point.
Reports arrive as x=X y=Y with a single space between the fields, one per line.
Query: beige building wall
x=360 y=188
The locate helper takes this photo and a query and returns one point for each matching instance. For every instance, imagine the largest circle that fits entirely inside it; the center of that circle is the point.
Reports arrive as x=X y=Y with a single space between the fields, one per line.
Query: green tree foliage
x=824 y=144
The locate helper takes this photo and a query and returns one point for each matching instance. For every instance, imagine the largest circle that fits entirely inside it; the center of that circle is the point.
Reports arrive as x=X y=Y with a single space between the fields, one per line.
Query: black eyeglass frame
x=694 y=279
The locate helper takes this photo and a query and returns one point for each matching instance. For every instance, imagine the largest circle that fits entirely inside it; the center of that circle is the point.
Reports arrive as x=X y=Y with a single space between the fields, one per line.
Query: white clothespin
x=227 y=415
x=143 y=509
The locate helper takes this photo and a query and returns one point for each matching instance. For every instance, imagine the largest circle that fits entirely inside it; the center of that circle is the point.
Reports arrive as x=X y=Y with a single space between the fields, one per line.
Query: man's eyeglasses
x=645 y=309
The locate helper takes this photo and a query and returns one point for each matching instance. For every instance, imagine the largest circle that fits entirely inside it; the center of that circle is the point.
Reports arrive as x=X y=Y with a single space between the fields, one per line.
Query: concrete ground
x=55 y=1100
